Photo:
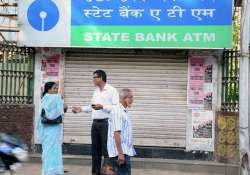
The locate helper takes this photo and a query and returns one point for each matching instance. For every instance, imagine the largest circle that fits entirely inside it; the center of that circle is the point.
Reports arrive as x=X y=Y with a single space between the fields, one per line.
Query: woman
x=50 y=135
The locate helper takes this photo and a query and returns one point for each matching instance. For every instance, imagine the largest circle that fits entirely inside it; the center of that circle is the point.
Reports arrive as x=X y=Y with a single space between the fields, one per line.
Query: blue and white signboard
x=126 y=23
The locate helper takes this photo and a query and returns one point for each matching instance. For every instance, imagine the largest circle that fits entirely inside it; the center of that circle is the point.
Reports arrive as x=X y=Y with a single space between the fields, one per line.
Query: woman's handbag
x=46 y=120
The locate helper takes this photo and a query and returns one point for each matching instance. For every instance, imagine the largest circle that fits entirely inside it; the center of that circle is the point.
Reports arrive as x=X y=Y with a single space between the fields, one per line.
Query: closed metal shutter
x=159 y=83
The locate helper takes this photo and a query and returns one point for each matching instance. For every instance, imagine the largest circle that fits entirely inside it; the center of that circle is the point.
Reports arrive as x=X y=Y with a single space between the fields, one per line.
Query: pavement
x=35 y=169
x=81 y=165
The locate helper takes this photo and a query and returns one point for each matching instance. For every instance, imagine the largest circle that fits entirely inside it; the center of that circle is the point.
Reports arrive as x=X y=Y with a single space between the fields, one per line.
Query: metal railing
x=16 y=74
x=230 y=81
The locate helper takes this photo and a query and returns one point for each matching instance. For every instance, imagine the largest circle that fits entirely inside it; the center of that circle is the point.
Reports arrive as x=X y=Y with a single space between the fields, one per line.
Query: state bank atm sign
x=126 y=23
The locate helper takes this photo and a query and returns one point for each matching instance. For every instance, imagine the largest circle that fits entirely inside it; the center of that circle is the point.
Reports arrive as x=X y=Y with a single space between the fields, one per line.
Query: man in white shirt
x=104 y=98
x=120 y=137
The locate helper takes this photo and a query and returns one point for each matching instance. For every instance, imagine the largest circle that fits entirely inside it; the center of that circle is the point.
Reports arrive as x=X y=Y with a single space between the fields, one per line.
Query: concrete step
x=190 y=166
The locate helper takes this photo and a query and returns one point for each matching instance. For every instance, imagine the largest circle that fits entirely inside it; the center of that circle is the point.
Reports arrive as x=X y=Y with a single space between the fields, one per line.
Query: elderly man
x=120 y=139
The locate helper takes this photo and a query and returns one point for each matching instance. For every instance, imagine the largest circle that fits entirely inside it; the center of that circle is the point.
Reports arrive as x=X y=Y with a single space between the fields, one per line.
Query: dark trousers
x=124 y=169
x=8 y=160
x=99 y=134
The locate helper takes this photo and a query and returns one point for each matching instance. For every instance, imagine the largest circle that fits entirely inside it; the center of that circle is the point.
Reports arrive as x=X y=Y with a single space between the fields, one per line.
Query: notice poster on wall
x=50 y=66
x=202 y=130
x=196 y=83
x=208 y=73
x=200 y=84
x=201 y=96
x=208 y=85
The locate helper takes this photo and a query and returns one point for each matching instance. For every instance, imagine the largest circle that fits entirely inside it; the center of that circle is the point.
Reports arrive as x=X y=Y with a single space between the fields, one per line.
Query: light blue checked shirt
x=120 y=121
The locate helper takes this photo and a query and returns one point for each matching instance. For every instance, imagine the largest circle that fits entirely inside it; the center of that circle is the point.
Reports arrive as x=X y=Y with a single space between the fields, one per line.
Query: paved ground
x=80 y=165
x=35 y=169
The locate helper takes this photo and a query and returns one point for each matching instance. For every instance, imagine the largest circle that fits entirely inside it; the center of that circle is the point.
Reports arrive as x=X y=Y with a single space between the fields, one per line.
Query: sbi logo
x=43 y=15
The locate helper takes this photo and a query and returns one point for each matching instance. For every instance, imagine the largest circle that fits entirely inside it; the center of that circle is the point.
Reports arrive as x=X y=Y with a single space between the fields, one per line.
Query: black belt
x=101 y=120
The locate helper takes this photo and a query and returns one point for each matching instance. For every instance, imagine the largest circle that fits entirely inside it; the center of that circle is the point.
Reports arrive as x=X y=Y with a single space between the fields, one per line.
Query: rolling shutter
x=159 y=83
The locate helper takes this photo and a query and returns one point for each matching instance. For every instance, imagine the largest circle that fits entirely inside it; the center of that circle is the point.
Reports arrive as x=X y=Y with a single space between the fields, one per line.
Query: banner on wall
x=126 y=23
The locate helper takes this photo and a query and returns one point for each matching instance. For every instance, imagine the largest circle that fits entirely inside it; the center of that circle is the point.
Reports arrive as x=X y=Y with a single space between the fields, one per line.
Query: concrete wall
x=249 y=98
x=211 y=57
x=41 y=78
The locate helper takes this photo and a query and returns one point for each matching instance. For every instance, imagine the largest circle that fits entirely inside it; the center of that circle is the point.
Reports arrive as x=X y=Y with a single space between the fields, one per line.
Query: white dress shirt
x=108 y=97
x=120 y=121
